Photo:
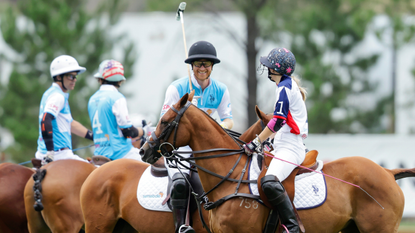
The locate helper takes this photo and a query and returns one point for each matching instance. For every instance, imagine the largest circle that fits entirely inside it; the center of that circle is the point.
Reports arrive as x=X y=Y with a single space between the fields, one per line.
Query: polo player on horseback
x=107 y=108
x=291 y=127
x=212 y=96
x=55 y=120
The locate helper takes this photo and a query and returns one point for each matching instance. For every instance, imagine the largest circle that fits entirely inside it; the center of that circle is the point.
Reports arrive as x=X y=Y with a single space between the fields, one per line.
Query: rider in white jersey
x=291 y=127
x=55 y=120
x=107 y=108
x=213 y=97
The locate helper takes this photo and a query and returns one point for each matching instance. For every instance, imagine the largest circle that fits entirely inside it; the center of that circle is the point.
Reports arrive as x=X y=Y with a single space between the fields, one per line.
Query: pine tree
x=38 y=31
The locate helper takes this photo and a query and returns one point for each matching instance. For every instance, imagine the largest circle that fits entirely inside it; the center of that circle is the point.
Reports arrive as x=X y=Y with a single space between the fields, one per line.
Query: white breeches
x=134 y=153
x=63 y=154
x=288 y=147
x=173 y=171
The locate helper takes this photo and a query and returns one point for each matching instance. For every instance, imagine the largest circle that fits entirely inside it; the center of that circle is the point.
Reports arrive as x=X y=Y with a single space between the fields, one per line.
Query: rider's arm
x=120 y=111
x=80 y=130
x=225 y=110
x=47 y=130
x=172 y=96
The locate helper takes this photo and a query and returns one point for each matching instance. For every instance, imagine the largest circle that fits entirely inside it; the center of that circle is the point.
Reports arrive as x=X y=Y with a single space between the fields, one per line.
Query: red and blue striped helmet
x=281 y=60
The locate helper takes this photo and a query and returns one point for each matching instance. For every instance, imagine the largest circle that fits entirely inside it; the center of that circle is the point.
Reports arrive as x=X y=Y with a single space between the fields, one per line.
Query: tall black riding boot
x=179 y=199
x=279 y=199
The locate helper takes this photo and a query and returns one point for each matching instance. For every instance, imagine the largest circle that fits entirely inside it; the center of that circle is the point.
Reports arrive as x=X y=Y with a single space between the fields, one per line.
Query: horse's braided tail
x=400 y=173
x=37 y=188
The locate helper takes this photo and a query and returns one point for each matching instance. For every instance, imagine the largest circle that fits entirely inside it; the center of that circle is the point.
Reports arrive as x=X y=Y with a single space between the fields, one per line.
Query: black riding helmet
x=202 y=50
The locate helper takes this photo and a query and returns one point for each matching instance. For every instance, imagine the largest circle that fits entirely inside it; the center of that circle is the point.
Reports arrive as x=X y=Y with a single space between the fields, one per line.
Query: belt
x=66 y=148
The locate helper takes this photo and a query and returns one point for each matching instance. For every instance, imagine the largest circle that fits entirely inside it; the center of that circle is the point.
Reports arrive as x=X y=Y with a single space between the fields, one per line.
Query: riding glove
x=48 y=157
x=254 y=146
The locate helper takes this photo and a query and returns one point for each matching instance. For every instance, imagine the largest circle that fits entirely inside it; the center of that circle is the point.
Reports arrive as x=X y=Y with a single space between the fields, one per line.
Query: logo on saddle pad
x=159 y=195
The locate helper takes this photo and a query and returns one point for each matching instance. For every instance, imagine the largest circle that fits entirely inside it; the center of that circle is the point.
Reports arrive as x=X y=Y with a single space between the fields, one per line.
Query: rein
x=174 y=156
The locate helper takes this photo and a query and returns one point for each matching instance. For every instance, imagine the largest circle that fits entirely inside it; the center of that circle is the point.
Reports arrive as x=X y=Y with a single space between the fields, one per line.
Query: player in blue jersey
x=290 y=126
x=55 y=120
x=107 y=108
x=213 y=97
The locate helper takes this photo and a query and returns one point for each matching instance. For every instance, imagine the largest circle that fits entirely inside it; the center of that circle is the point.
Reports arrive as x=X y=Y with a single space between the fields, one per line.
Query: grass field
x=407 y=226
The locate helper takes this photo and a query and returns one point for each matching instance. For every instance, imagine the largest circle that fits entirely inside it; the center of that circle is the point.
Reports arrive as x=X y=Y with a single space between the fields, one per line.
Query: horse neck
x=206 y=134
x=251 y=132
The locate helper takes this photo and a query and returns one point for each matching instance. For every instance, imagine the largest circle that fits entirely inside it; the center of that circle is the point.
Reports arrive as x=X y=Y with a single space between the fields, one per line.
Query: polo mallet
x=179 y=16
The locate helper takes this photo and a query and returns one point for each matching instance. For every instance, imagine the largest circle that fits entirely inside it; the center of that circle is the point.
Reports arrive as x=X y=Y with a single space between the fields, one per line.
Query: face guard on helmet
x=202 y=50
x=281 y=60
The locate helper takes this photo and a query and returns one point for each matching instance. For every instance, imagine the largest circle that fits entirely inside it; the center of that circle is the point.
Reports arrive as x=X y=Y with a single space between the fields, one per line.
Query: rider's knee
x=180 y=187
x=270 y=185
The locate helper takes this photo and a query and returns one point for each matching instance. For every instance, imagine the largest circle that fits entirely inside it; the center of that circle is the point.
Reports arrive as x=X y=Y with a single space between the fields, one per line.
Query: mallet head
x=181 y=8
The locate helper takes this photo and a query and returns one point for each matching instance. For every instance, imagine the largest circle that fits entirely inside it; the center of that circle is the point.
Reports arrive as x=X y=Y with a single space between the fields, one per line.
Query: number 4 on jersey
x=96 y=124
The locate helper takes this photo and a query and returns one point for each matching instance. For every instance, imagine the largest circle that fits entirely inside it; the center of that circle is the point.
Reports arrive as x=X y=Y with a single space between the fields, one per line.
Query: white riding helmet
x=65 y=64
x=111 y=70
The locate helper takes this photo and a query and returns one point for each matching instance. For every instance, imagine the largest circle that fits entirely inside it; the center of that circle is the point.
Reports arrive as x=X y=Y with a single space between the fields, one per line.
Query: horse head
x=165 y=142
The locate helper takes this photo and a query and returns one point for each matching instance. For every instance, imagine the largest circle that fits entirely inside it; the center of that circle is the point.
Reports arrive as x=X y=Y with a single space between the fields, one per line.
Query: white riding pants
x=63 y=154
x=288 y=147
x=134 y=153
x=173 y=171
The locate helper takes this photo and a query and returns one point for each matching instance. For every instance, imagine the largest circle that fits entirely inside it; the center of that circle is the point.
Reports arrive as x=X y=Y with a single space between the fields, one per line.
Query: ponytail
x=302 y=89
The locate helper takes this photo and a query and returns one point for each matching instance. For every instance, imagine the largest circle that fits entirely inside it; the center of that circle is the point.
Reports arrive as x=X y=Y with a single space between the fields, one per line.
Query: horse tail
x=400 y=173
x=37 y=188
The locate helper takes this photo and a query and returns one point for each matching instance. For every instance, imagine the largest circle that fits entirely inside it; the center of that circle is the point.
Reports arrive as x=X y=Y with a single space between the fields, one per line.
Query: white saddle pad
x=152 y=191
x=310 y=188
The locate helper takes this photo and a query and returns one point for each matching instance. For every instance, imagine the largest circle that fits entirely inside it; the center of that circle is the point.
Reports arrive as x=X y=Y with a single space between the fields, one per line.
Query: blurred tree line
x=315 y=30
x=38 y=31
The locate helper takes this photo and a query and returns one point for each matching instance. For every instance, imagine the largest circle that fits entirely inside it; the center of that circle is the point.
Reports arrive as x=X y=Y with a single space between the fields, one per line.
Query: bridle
x=159 y=149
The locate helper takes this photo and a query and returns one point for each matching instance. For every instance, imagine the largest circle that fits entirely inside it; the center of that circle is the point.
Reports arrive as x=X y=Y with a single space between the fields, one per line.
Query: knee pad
x=179 y=190
x=272 y=187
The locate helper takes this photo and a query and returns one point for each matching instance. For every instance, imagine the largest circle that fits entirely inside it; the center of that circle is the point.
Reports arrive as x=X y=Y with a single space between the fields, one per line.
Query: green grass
x=407 y=225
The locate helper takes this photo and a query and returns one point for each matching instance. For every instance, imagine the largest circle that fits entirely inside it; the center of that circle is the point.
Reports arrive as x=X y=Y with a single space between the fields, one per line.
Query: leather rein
x=174 y=155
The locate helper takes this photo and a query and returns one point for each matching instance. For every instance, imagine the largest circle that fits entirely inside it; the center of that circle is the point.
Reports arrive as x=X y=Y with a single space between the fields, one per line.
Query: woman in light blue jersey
x=55 y=120
x=107 y=108
x=290 y=127
x=211 y=96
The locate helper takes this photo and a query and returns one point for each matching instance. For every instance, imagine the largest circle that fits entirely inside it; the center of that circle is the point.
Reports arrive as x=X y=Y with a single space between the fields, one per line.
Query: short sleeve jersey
x=108 y=113
x=290 y=106
x=55 y=102
x=214 y=98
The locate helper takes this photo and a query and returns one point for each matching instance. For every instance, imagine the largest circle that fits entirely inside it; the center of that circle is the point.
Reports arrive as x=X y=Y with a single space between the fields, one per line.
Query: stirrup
x=186 y=229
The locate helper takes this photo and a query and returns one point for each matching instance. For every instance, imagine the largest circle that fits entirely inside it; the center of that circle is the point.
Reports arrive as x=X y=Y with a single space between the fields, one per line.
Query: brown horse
x=347 y=208
x=13 y=178
x=108 y=197
x=60 y=188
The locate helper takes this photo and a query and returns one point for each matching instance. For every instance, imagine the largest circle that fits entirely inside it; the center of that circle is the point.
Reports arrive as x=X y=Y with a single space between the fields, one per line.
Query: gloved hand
x=254 y=146
x=194 y=102
x=223 y=124
x=48 y=157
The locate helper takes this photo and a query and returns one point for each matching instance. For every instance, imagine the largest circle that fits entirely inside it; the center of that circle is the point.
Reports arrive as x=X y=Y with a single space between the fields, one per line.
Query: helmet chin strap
x=63 y=85
x=269 y=76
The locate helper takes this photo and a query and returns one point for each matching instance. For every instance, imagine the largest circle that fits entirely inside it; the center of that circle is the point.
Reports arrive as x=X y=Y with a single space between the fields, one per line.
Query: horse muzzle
x=147 y=156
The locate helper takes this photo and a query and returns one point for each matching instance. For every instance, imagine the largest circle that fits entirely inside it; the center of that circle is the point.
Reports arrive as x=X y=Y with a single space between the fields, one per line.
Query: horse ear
x=184 y=99
x=191 y=95
x=259 y=113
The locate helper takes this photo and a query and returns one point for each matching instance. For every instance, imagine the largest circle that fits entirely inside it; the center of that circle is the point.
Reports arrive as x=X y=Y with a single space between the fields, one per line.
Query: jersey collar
x=108 y=87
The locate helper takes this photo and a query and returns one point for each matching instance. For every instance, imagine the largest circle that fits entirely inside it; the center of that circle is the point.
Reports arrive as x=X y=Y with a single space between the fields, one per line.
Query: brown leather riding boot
x=279 y=199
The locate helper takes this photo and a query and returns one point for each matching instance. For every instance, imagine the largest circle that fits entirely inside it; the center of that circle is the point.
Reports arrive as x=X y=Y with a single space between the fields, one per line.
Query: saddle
x=309 y=162
x=99 y=160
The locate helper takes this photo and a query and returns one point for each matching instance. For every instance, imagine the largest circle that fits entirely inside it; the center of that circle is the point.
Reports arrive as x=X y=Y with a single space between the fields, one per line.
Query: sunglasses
x=206 y=64
x=71 y=76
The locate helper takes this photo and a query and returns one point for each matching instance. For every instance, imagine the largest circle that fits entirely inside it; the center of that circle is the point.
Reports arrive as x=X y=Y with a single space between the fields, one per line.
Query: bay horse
x=109 y=196
x=60 y=187
x=13 y=178
x=346 y=209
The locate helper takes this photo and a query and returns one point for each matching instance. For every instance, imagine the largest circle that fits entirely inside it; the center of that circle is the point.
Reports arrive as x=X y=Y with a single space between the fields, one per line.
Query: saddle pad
x=152 y=191
x=310 y=188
